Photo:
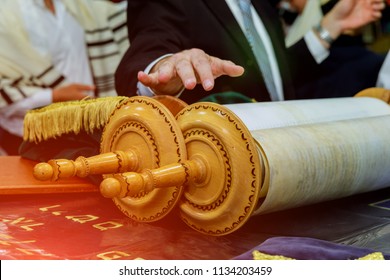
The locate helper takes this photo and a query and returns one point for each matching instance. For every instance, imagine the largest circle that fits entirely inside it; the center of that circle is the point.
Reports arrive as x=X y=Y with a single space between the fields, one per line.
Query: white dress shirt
x=384 y=74
x=59 y=37
x=316 y=48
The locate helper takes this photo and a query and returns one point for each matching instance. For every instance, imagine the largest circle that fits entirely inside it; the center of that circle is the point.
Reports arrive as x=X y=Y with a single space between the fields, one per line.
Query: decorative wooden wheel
x=221 y=177
x=146 y=127
x=226 y=198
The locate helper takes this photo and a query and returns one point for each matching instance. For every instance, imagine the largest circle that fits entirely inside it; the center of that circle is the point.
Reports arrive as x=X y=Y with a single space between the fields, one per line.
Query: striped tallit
x=23 y=71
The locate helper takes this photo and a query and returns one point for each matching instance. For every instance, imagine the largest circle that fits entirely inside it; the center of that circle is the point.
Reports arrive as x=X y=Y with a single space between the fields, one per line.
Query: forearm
x=135 y=59
x=328 y=30
x=144 y=55
x=156 y=28
x=348 y=15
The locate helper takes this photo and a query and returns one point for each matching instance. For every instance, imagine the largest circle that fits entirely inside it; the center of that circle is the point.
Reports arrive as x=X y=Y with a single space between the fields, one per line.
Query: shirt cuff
x=384 y=73
x=318 y=51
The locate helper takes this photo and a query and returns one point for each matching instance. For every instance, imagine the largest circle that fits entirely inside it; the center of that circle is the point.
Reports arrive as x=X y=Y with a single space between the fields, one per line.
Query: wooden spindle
x=172 y=175
x=113 y=162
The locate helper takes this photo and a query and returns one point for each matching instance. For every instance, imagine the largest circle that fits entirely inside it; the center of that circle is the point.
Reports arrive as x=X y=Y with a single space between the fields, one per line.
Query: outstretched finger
x=166 y=71
x=225 y=67
x=203 y=69
x=185 y=71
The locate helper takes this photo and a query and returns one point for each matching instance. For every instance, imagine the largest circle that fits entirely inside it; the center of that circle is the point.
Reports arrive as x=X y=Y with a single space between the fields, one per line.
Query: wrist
x=332 y=24
x=323 y=34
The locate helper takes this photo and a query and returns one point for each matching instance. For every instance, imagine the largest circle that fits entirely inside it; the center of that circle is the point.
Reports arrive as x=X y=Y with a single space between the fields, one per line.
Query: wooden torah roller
x=141 y=133
x=233 y=172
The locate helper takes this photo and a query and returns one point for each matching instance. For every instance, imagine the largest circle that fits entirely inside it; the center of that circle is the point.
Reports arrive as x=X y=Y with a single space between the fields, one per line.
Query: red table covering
x=85 y=225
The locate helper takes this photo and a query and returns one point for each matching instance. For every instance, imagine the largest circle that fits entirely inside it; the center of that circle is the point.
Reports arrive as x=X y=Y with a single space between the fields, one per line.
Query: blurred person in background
x=209 y=43
x=351 y=65
x=53 y=51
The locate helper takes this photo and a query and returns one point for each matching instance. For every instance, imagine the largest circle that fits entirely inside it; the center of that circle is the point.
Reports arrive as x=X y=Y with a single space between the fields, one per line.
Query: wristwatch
x=323 y=34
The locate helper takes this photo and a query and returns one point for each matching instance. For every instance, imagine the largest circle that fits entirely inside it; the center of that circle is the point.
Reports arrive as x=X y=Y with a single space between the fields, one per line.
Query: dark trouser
x=10 y=143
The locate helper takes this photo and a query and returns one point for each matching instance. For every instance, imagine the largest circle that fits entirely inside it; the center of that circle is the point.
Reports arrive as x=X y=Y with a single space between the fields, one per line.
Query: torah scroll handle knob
x=107 y=163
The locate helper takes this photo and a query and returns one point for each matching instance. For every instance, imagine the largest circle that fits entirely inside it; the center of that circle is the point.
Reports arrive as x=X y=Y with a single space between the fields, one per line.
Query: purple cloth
x=302 y=248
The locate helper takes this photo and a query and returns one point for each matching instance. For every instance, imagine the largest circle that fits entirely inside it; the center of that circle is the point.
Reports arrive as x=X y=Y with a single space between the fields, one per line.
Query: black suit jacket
x=160 y=27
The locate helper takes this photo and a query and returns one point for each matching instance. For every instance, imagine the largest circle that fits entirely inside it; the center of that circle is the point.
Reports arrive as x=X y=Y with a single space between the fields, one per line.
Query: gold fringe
x=257 y=255
x=72 y=116
x=373 y=257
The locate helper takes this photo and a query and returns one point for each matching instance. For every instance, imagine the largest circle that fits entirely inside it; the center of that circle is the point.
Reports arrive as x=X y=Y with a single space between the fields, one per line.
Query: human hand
x=352 y=14
x=71 y=92
x=187 y=68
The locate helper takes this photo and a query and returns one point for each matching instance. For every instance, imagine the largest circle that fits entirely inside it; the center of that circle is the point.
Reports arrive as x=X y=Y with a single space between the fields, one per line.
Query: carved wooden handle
x=113 y=162
x=173 y=175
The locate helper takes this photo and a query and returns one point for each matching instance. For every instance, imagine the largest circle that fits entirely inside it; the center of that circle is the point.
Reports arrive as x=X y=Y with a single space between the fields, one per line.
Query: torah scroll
x=248 y=159
x=235 y=170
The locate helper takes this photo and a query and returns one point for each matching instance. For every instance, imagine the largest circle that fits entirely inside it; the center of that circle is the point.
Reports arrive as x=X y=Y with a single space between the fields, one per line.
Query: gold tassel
x=65 y=117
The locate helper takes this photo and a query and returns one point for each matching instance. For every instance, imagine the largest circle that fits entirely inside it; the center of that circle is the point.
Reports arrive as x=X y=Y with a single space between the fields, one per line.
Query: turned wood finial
x=107 y=163
x=43 y=171
x=110 y=188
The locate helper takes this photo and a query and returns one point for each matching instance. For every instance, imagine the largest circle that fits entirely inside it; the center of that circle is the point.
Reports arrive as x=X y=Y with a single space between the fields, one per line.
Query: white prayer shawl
x=23 y=71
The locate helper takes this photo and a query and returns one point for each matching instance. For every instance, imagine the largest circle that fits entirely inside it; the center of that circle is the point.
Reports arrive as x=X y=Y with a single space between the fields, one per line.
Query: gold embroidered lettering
x=46 y=209
x=107 y=225
x=113 y=255
x=28 y=227
x=5 y=236
x=23 y=223
x=55 y=213
x=32 y=252
x=82 y=218
x=12 y=242
x=8 y=240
